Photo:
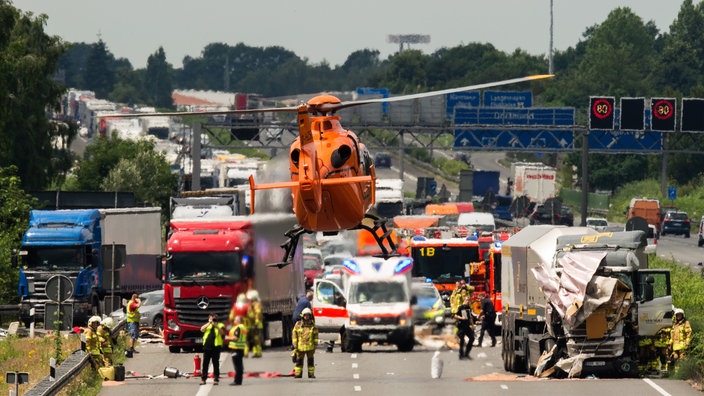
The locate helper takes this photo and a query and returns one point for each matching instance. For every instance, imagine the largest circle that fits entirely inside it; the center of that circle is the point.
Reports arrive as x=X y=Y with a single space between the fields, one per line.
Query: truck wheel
x=406 y=345
x=174 y=349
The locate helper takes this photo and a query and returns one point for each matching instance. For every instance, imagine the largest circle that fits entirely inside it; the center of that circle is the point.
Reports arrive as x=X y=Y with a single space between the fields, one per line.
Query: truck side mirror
x=648 y=292
x=160 y=260
x=15 y=260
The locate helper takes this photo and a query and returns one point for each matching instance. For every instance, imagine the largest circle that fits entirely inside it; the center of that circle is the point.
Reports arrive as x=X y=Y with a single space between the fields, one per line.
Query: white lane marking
x=204 y=390
x=355 y=365
x=353 y=356
x=655 y=386
x=504 y=387
x=355 y=376
x=357 y=388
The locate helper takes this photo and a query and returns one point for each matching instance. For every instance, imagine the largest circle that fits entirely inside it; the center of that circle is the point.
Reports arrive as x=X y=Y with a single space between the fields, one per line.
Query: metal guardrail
x=64 y=374
x=67 y=370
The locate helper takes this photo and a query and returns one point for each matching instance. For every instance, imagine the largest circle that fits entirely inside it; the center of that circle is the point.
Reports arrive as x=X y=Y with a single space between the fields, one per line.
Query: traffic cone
x=196 y=366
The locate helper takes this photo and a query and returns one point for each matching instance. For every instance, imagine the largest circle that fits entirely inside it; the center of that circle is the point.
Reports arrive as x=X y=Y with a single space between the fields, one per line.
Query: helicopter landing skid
x=294 y=234
x=380 y=224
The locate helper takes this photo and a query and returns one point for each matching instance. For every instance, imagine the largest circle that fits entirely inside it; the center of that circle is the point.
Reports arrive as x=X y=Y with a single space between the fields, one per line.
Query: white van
x=480 y=221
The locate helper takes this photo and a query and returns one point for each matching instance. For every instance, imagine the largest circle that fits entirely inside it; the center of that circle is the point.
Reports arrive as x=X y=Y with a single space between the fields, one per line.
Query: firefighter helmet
x=107 y=322
x=306 y=311
x=95 y=318
x=253 y=295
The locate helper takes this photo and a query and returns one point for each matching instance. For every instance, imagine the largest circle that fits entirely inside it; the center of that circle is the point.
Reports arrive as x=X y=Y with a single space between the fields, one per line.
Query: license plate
x=595 y=363
x=198 y=340
x=377 y=336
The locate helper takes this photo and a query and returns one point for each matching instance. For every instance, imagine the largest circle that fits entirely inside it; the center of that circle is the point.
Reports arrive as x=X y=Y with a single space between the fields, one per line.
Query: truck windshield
x=53 y=258
x=206 y=265
x=443 y=264
x=377 y=292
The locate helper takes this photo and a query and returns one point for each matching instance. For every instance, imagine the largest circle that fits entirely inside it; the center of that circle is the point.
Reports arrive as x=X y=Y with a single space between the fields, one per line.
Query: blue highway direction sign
x=625 y=142
x=515 y=140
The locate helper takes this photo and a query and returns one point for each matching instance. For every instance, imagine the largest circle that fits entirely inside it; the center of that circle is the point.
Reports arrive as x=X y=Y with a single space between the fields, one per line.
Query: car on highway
x=312 y=265
x=676 y=223
x=541 y=215
x=151 y=312
x=429 y=307
x=598 y=223
x=382 y=159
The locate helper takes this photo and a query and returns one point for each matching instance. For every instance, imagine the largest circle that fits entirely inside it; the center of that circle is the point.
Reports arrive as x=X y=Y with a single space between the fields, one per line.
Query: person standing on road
x=488 y=317
x=305 y=339
x=237 y=343
x=461 y=292
x=465 y=327
x=303 y=302
x=213 y=333
x=133 y=321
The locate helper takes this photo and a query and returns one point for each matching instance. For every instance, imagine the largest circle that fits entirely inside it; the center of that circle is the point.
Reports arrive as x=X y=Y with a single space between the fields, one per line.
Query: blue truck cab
x=61 y=242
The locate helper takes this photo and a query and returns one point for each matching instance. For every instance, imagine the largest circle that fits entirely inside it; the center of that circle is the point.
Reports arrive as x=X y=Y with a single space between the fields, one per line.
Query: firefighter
x=237 y=342
x=680 y=336
x=105 y=339
x=305 y=339
x=461 y=292
x=662 y=348
x=93 y=342
x=255 y=327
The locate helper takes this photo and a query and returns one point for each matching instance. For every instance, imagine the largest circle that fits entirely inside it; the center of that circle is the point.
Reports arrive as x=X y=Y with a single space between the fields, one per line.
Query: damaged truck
x=579 y=303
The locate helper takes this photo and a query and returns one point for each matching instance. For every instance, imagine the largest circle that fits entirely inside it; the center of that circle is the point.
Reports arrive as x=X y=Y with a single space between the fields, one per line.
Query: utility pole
x=551 y=66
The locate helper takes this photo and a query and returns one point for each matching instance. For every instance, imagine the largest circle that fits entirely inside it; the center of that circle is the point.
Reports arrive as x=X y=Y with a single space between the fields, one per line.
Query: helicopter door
x=328 y=306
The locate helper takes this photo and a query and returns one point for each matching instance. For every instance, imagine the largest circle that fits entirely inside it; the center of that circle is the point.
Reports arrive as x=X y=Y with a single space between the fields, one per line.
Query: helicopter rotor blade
x=328 y=107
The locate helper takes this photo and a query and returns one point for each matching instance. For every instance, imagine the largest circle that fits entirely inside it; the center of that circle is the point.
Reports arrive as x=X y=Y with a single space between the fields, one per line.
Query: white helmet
x=95 y=318
x=306 y=311
x=679 y=311
x=107 y=322
x=253 y=295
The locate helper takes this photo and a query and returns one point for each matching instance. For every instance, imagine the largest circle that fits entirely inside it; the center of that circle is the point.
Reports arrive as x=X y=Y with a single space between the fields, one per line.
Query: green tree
x=100 y=71
x=28 y=60
x=158 y=79
x=15 y=205
x=114 y=164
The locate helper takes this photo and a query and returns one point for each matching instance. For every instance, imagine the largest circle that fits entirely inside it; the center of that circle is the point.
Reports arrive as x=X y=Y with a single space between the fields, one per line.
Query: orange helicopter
x=332 y=175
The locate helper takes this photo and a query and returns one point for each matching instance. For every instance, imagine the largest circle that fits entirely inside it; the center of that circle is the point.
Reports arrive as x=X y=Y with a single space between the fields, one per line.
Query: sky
x=329 y=31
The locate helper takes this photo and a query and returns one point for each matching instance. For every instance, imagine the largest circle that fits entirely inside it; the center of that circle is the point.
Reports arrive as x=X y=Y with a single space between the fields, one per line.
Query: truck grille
x=190 y=313
x=377 y=320
x=611 y=347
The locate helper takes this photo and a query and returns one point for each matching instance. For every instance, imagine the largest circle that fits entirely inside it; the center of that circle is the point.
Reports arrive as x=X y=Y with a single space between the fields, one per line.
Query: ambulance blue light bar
x=403 y=266
x=351 y=266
